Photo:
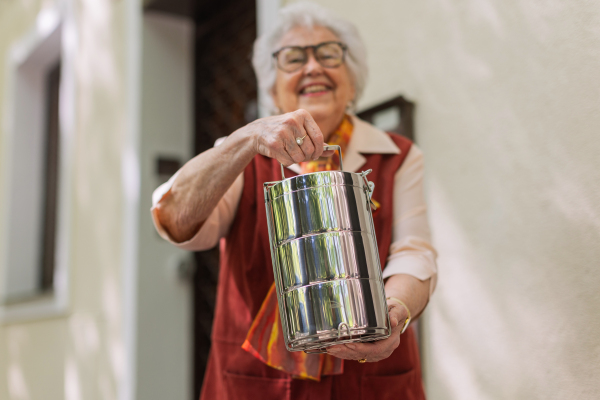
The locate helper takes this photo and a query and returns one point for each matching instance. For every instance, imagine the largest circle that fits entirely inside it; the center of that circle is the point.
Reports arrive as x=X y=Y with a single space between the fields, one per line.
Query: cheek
x=286 y=87
x=345 y=86
x=344 y=96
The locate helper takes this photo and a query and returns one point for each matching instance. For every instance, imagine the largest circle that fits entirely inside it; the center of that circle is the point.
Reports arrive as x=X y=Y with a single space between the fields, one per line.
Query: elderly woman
x=311 y=68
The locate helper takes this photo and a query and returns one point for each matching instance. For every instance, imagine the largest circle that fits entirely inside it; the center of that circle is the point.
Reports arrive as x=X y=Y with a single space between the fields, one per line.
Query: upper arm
x=411 y=251
x=410 y=209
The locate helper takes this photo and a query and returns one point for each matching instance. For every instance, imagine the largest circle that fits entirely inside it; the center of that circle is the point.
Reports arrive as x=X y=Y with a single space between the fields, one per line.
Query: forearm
x=412 y=291
x=203 y=180
x=201 y=183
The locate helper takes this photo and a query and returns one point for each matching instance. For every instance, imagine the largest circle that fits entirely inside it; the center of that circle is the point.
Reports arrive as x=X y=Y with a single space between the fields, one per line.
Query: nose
x=312 y=66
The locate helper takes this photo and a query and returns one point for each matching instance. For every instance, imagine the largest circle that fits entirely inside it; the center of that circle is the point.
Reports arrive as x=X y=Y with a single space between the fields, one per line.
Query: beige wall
x=507 y=100
x=82 y=354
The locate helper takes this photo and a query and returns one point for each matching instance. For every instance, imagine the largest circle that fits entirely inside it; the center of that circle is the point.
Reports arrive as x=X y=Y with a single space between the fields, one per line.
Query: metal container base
x=319 y=342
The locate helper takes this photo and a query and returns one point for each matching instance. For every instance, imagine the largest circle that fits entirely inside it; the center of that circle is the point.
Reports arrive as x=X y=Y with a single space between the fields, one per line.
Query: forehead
x=305 y=36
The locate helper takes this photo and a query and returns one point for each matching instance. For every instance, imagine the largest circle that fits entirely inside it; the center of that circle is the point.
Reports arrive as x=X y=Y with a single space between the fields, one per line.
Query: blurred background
x=101 y=101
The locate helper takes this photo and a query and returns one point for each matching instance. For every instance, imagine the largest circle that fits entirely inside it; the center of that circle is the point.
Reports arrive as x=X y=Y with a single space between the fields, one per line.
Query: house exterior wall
x=80 y=354
x=507 y=98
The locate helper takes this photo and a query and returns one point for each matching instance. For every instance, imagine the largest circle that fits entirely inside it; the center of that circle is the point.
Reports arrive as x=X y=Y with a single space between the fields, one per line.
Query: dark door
x=225 y=100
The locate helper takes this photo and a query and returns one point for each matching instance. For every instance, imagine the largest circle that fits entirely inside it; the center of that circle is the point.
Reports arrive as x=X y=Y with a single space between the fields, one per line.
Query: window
x=33 y=277
x=394 y=115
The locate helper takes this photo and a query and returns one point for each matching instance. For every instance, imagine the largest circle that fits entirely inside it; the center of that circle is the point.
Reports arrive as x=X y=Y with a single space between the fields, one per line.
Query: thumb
x=395 y=315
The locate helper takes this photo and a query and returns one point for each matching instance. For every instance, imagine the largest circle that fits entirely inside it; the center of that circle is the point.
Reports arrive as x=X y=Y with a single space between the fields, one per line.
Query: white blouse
x=411 y=251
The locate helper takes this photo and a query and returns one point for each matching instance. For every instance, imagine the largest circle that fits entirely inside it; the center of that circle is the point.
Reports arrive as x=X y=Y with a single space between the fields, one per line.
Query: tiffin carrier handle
x=325 y=148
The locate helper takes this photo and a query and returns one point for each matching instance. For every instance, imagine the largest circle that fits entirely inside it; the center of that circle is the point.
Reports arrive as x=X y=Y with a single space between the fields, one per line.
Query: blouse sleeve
x=216 y=225
x=411 y=251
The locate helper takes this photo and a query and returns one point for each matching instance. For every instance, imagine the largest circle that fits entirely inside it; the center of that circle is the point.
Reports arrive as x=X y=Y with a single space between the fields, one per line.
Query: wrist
x=411 y=290
x=244 y=142
x=398 y=302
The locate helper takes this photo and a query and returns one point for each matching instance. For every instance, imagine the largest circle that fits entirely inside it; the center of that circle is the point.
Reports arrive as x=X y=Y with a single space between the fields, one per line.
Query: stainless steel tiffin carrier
x=325 y=259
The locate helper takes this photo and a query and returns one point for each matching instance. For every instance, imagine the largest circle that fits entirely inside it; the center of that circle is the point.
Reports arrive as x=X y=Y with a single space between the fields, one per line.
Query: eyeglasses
x=328 y=54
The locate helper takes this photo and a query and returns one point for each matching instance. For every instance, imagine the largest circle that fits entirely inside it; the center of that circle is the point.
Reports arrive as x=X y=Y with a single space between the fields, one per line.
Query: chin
x=319 y=112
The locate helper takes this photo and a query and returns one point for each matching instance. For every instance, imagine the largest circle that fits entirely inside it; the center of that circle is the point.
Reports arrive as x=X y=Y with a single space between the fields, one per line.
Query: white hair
x=307 y=15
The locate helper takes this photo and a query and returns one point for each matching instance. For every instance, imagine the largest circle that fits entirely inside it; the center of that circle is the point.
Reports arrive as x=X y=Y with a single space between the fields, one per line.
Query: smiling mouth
x=315 y=89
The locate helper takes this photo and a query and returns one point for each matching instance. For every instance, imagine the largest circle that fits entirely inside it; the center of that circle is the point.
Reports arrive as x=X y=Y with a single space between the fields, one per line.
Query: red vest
x=245 y=277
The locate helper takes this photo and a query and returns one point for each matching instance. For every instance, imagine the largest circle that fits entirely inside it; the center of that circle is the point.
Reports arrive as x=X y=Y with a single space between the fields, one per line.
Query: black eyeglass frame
x=314 y=48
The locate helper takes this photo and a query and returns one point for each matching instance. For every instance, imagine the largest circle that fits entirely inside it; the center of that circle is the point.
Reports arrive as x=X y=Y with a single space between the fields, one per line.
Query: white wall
x=507 y=100
x=80 y=354
x=127 y=330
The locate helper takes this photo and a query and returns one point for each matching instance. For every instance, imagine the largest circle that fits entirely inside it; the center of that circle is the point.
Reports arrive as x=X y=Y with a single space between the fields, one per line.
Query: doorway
x=225 y=100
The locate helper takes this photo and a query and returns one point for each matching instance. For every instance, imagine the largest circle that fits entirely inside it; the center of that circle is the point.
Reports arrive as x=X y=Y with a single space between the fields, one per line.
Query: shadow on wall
x=514 y=213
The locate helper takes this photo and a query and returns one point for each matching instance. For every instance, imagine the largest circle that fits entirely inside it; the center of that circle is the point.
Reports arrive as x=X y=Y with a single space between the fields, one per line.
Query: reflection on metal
x=325 y=260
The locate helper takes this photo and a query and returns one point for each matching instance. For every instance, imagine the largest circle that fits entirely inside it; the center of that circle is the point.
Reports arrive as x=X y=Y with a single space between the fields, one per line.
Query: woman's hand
x=415 y=294
x=276 y=136
x=379 y=350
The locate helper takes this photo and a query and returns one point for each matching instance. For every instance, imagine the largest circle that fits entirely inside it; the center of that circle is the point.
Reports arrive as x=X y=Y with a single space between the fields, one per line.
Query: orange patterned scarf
x=265 y=339
x=340 y=137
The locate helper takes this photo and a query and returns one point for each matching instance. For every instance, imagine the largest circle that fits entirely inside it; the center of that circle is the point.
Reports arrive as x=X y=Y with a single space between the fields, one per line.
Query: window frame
x=36 y=53
x=404 y=107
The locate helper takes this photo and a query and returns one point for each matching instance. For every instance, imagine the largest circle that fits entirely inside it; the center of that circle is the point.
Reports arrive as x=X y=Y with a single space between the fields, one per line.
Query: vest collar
x=366 y=139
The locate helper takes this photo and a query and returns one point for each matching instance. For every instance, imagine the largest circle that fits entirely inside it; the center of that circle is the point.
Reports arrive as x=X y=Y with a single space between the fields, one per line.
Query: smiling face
x=323 y=92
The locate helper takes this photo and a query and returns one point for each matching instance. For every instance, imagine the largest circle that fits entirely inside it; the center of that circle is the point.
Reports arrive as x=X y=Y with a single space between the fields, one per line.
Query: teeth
x=314 y=88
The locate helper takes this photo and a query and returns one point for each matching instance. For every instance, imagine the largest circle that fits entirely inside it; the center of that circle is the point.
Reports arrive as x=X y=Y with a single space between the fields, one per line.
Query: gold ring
x=362 y=360
x=300 y=140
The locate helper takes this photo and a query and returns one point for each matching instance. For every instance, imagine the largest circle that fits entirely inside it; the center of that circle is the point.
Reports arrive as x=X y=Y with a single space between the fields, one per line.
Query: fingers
x=315 y=149
x=375 y=351
x=277 y=137
x=273 y=146
x=294 y=126
x=307 y=147
x=372 y=352
x=344 y=352
x=292 y=148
